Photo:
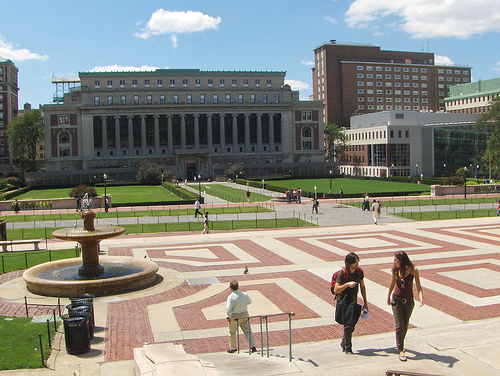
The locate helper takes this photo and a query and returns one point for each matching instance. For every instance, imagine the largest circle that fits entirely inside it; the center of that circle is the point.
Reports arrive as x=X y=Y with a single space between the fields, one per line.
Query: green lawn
x=121 y=194
x=448 y=214
x=432 y=201
x=20 y=343
x=230 y=194
x=11 y=261
x=351 y=186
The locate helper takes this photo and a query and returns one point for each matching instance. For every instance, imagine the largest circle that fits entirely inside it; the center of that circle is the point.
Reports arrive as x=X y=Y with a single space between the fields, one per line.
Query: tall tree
x=491 y=123
x=335 y=143
x=24 y=133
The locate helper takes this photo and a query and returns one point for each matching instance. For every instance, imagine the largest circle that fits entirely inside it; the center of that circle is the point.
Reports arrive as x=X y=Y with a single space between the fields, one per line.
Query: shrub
x=454 y=180
x=80 y=191
x=151 y=173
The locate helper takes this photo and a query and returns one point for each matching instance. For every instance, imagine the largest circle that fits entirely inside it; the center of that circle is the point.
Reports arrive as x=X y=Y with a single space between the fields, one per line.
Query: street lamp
x=262 y=184
x=465 y=182
x=199 y=185
x=416 y=168
x=315 y=195
x=330 y=181
x=106 y=206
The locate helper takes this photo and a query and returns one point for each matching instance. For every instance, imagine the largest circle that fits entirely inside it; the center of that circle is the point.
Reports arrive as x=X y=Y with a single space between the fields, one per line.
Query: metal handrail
x=290 y=314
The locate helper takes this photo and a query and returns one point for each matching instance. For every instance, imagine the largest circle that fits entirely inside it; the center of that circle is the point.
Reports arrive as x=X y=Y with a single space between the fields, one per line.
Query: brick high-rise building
x=360 y=79
x=8 y=105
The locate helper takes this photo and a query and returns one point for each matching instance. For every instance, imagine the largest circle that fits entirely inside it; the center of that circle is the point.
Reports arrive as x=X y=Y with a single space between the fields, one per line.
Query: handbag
x=347 y=313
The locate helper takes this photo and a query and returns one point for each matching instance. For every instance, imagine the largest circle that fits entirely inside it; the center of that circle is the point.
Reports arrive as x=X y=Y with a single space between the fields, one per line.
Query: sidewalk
x=457 y=332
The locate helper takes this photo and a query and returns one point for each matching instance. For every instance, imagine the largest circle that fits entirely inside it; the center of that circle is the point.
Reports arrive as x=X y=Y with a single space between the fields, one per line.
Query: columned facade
x=178 y=119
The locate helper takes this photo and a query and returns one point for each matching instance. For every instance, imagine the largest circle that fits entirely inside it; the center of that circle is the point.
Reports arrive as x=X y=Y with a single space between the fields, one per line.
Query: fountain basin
x=62 y=276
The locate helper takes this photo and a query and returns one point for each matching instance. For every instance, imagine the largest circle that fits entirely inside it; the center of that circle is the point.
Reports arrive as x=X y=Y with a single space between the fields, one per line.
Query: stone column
x=247 y=133
x=131 y=135
x=143 y=135
x=196 y=132
x=170 y=135
x=222 y=134
x=259 y=132
x=183 y=132
x=157 y=134
x=209 y=133
x=271 y=133
x=235 y=133
x=117 y=136
x=104 y=137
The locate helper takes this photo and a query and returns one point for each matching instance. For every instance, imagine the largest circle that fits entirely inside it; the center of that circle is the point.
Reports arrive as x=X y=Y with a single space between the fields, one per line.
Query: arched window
x=64 y=141
x=306 y=141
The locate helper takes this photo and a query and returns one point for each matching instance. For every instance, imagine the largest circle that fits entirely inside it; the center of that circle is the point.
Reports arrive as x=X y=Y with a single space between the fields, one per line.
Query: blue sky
x=62 y=38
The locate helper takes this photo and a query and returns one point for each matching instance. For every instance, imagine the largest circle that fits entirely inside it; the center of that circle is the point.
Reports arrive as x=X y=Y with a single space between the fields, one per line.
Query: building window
x=136 y=99
x=269 y=83
x=162 y=99
x=264 y=98
x=189 y=98
x=257 y=83
x=97 y=101
x=228 y=98
x=134 y=83
x=110 y=84
x=202 y=98
x=276 y=98
x=110 y=100
x=240 y=98
x=222 y=84
x=149 y=99
x=176 y=99
x=210 y=83
x=172 y=83
x=216 y=98
x=252 y=98
x=185 y=83
x=122 y=84
x=234 y=82
x=146 y=83
x=97 y=84
x=245 y=83
x=197 y=82
x=159 y=83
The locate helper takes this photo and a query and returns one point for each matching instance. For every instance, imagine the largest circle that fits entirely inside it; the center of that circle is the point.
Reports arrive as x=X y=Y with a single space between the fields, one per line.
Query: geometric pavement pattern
x=459 y=270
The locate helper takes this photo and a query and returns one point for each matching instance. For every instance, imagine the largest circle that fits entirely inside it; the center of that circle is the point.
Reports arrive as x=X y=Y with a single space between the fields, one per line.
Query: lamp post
x=199 y=186
x=106 y=206
x=262 y=184
x=416 y=168
x=330 y=181
x=315 y=195
x=444 y=169
x=465 y=182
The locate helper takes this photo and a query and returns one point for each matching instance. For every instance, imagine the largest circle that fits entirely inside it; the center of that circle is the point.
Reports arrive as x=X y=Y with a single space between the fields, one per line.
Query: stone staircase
x=168 y=359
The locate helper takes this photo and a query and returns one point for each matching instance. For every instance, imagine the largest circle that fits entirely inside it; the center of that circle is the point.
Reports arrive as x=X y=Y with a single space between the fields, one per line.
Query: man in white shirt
x=376 y=214
x=236 y=308
x=197 y=207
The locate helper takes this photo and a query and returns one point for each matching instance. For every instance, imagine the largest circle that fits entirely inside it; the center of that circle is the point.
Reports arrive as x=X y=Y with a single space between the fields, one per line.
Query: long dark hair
x=351 y=258
x=404 y=260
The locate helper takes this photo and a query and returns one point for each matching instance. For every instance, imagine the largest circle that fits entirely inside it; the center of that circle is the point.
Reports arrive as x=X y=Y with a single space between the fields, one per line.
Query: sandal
x=402 y=356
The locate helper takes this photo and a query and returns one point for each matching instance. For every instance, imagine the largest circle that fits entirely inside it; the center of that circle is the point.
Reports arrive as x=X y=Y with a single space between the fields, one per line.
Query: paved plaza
x=456 y=332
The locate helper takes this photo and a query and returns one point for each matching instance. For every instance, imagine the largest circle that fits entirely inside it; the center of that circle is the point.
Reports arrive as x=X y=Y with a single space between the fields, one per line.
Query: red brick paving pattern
x=129 y=327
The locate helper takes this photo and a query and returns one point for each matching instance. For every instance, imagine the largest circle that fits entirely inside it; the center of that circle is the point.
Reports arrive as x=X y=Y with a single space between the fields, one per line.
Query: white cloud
x=332 y=20
x=430 y=18
x=298 y=85
x=497 y=67
x=173 y=38
x=304 y=62
x=164 y=22
x=8 y=51
x=443 y=60
x=120 y=68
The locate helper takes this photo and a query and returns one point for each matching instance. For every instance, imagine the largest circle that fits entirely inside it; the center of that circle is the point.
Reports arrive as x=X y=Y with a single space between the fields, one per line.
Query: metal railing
x=265 y=317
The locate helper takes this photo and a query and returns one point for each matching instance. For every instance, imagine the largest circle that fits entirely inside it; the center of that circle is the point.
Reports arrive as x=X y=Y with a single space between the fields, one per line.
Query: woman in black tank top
x=403 y=274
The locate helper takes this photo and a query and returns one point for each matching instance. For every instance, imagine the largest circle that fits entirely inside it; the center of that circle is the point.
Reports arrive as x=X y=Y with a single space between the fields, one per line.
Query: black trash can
x=76 y=333
x=84 y=302
x=85 y=311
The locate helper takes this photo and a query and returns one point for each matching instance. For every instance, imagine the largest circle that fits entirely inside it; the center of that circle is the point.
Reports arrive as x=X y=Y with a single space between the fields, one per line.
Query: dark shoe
x=231 y=351
x=254 y=349
x=342 y=346
x=348 y=350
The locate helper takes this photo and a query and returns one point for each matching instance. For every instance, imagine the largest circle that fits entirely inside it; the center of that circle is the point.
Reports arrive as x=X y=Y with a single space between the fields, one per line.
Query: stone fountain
x=105 y=276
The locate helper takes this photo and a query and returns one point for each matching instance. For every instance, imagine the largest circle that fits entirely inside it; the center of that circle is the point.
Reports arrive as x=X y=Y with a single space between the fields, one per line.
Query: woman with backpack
x=403 y=274
x=345 y=287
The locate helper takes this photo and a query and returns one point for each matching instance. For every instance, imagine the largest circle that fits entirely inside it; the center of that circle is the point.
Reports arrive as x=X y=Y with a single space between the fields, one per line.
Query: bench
x=5 y=243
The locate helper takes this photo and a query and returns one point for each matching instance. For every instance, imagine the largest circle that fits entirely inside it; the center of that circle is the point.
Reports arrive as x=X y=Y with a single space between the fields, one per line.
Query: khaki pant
x=244 y=327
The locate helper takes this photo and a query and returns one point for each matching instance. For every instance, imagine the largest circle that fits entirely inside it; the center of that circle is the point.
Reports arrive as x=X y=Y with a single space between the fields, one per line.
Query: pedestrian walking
x=236 y=315
x=375 y=210
x=341 y=193
x=315 y=205
x=248 y=195
x=17 y=208
x=403 y=275
x=498 y=208
x=206 y=225
x=366 y=202
x=299 y=195
x=348 y=311
x=197 y=207
x=287 y=195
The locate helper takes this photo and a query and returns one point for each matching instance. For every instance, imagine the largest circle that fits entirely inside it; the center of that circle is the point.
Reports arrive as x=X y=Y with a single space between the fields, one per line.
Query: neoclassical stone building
x=194 y=122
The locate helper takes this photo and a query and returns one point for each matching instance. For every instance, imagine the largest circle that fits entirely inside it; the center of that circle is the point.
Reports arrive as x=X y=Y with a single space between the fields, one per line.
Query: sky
x=58 y=38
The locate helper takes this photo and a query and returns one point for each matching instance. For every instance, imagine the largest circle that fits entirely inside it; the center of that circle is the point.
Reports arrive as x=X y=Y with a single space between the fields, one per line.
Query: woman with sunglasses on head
x=403 y=275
